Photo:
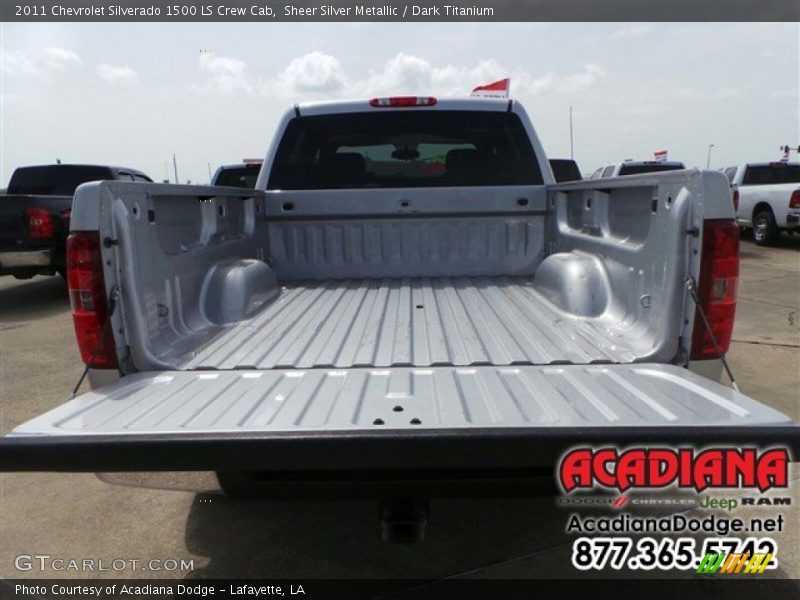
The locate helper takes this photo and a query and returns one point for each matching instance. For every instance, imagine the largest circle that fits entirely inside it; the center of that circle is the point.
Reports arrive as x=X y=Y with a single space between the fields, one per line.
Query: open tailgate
x=480 y=417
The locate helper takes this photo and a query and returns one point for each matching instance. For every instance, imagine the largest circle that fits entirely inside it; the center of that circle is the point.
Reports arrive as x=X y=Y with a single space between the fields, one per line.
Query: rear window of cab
x=404 y=149
x=774 y=173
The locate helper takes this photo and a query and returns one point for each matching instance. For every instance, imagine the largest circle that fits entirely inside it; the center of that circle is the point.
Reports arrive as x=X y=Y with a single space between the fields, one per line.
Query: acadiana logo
x=651 y=468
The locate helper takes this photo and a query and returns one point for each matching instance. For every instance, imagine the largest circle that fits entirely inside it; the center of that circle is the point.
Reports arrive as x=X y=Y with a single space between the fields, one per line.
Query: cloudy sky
x=134 y=94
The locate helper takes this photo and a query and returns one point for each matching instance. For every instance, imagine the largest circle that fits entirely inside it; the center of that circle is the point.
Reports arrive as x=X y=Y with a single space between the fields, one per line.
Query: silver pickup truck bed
x=404 y=307
x=394 y=341
x=412 y=322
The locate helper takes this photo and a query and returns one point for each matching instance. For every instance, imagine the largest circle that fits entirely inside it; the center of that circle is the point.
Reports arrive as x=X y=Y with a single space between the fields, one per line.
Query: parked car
x=242 y=175
x=636 y=167
x=766 y=198
x=360 y=324
x=35 y=215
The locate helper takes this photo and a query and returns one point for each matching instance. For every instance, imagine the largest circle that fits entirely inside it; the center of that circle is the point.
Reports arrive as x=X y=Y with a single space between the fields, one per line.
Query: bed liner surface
x=414 y=322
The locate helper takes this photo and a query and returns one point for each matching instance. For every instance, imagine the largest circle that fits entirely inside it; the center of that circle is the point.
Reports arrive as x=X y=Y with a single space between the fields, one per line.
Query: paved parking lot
x=78 y=516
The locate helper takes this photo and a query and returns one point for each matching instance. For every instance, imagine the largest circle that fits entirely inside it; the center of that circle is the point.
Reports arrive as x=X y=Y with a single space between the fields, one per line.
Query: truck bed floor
x=413 y=322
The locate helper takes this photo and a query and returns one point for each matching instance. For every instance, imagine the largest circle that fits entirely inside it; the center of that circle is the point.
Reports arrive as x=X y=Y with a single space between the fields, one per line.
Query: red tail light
x=794 y=201
x=402 y=101
x=735 y=200
x=87 y=293
x=40 y=223
x=719 y=275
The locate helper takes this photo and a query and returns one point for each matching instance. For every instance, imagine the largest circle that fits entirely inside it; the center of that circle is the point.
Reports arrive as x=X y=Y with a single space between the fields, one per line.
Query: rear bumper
x=793 y=221
x=23 y=259
x=321 y=454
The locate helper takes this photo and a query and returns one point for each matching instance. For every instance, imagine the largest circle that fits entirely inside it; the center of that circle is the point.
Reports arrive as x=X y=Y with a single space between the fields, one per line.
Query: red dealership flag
x=496 y=89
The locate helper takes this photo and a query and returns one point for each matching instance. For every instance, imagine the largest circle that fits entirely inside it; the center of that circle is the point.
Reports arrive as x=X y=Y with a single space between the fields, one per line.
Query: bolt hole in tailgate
x=324 y=420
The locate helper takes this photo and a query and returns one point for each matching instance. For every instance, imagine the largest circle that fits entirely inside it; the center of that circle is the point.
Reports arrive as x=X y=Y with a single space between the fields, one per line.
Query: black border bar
x=398 y=10
x=668 y=586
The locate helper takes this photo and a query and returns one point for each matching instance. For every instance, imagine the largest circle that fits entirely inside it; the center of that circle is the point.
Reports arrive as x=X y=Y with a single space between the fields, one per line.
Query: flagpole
x=571 y=137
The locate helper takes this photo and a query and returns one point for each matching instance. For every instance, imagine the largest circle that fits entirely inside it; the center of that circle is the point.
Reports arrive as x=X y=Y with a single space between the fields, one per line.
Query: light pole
x=708 y=160
x=571 y=138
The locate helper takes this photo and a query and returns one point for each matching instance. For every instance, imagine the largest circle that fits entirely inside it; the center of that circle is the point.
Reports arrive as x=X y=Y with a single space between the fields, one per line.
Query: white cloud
x=403 y=74
x=60 y=59
x=411 y=74
x=458 y=81
x=15 y=63
x=224 y=74
x=314 y=72
x=563 y=84
x=117 y=75
x=633 y=30
x=39 y=63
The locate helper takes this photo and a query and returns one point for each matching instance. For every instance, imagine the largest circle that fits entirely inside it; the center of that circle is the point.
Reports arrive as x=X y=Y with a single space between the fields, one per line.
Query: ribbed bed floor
x=411 y=322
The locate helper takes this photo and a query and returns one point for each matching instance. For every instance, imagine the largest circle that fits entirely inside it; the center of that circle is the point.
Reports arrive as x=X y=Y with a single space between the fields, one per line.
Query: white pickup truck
x=766 y=198
x=407 y=304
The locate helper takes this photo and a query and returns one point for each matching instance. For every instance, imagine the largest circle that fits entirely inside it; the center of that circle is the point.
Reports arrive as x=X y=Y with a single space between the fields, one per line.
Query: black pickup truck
x=35 y=212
